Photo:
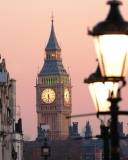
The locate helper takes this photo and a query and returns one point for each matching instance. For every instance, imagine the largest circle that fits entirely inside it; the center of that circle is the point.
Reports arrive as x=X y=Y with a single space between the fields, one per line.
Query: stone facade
x=11 y=143
x=53 y=92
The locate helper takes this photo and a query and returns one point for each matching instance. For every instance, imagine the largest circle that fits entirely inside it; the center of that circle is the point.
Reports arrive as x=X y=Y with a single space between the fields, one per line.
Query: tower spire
x=52 y=44
x=52 y=17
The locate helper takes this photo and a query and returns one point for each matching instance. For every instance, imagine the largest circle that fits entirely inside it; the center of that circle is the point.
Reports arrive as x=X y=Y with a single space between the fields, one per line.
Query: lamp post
x=105 y=137
x=45 y=149
x=111 y=43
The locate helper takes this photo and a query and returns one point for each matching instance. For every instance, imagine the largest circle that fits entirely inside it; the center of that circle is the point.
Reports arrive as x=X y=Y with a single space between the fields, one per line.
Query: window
x=18 y=155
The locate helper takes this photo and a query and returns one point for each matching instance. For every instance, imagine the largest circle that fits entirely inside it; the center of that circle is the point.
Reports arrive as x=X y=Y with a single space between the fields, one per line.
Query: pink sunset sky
x=24 y=31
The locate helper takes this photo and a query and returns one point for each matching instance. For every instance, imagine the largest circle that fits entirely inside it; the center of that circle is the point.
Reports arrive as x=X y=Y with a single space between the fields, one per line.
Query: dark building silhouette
x=40 y=135
x=120 y=129
x=90 y=144
x=88 y=131
x=19 y=126
x=70 y=130
x=73 y=130
x=59 y=149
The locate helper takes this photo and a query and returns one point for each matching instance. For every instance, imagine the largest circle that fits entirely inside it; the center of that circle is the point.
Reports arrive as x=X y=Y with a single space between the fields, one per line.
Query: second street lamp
x=100 y=90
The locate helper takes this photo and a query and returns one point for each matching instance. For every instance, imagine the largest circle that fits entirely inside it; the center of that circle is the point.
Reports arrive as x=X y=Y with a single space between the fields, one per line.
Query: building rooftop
x=53 y=67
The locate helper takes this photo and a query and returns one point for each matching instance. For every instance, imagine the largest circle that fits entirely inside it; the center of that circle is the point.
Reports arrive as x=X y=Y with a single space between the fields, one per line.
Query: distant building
x=88 y=131
x=120 y=129
x=125 y=158
x=41 y=134
x=98 y=154
x=60 y=150
x=73 y=130
x=94 y=147
x=11 y=137
x=90 y=145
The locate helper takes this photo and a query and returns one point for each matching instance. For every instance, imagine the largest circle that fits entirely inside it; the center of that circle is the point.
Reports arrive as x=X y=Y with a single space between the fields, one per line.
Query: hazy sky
x=24 y=31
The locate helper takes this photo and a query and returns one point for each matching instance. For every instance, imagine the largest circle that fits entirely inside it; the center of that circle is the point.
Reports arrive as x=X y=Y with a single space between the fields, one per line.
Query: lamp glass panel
x=99 y=93
x=112 y=87
x=45 y=151
x=112 y=52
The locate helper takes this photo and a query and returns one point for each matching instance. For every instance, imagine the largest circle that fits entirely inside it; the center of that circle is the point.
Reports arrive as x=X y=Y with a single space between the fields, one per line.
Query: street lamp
x=111 y=43
x=45 y=149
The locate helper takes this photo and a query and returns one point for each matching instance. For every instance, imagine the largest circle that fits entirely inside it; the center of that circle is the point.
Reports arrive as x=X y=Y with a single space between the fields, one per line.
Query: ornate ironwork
x=114 y=23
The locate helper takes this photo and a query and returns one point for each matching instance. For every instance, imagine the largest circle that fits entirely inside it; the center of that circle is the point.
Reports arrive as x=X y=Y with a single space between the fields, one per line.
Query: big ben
x=53 y=91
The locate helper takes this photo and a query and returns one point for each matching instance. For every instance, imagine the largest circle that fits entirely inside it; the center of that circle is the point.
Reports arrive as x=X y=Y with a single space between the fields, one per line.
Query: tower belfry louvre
x=53 y=91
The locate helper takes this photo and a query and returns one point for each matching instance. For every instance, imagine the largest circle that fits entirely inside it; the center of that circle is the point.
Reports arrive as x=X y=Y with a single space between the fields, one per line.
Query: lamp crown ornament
x=94 y=77
x=114 y=23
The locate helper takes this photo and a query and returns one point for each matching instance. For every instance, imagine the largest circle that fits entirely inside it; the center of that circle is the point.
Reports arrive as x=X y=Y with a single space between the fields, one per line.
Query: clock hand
x=49 y=99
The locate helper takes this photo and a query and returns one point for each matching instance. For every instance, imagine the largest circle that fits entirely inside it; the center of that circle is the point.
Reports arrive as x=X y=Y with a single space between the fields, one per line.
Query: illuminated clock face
x=66 y=95
x=48 y=95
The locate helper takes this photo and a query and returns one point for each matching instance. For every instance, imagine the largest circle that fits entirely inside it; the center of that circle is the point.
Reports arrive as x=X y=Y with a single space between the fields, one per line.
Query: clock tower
x=53 y=92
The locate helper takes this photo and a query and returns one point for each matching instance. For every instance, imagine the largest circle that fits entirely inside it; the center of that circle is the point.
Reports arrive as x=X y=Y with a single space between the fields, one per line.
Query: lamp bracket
x=102 y=122
x=119 y=89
